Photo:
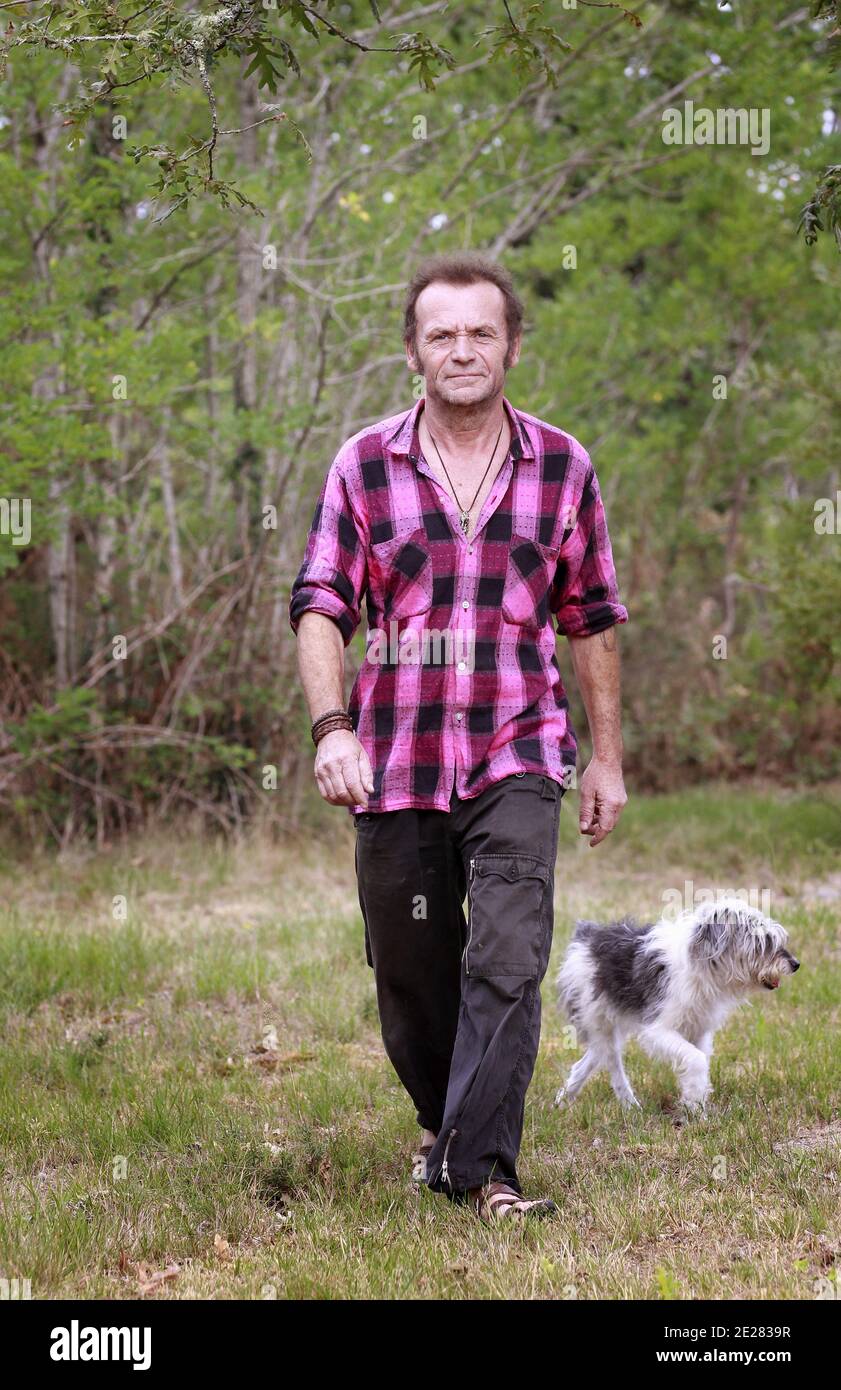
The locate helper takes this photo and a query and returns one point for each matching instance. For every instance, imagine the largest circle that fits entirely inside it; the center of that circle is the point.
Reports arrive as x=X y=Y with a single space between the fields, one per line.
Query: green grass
x=145 y=1128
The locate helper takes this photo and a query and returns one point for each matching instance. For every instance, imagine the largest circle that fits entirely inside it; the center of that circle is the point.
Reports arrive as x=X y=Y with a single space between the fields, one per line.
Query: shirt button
x=459 y=717
x=462 y=666
x=464 y=603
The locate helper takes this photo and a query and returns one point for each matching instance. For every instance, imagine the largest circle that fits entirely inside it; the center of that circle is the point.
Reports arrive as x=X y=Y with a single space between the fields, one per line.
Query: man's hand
x=343 y=769
x=595 y=660
x=602 y=796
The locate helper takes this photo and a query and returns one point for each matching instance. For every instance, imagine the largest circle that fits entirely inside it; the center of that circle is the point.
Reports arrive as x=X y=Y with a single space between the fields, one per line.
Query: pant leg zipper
x=445 y=1171
x=469 y=916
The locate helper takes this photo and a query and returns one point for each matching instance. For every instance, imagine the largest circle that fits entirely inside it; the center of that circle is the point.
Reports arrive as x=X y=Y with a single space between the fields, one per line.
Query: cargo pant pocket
x=507 y=898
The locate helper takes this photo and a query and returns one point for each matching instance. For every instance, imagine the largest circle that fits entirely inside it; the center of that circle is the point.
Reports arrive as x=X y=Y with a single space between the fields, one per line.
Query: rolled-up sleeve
x=585 y=595
x=333 y=576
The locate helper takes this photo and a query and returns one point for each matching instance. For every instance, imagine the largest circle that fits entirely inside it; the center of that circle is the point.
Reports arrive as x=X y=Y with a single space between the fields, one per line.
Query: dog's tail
x=575 y=970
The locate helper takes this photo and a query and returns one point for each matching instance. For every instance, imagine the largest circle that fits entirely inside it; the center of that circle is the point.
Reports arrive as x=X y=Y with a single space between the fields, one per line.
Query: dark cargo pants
x=459 y=1001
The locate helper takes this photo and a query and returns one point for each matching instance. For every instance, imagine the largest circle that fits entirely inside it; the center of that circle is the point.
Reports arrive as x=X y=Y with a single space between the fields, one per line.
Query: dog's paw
x=691 y=1109
x=561 y=1100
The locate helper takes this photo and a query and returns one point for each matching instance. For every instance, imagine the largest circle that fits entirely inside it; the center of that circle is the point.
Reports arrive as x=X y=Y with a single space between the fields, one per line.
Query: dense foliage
x=183 y=349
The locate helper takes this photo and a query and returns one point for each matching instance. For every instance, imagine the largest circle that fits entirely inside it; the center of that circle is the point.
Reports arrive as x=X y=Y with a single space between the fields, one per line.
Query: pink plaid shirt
x=460 y=684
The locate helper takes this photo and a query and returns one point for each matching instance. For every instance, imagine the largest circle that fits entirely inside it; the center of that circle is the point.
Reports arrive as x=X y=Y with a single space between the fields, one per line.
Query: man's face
x=461 y=342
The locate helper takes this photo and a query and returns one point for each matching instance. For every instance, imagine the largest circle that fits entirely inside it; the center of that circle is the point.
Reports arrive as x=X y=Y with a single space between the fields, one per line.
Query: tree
x=174 y=389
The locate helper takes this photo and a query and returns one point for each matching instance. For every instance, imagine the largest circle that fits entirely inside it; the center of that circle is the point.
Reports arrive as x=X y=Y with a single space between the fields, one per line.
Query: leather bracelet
x=327 y=723
x=327 y=727
x=344 y=719
x=328 y=714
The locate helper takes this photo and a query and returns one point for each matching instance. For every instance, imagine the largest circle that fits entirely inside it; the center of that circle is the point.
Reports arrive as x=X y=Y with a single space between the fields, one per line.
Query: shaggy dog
x=670 y=984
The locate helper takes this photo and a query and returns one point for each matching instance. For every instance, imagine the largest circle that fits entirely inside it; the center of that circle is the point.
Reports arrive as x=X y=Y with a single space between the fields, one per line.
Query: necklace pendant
x=464 y=521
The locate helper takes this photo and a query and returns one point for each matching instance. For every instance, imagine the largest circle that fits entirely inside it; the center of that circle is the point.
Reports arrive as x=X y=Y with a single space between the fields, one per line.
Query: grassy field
x=194 y=1100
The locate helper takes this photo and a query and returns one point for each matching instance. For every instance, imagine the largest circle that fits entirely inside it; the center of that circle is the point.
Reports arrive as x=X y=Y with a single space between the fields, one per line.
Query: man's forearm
x=321 y=663
x=342 y=767
x=595 y=661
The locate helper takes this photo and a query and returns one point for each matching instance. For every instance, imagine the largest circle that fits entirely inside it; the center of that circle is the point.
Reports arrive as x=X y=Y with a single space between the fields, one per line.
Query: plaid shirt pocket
x=400 y=575
x=528 y=580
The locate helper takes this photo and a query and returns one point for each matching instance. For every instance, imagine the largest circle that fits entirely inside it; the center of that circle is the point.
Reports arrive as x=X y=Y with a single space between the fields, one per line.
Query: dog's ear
x=713 y=932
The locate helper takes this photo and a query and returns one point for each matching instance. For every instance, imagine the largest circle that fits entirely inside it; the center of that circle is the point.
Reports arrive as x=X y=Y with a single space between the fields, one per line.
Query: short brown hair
x=462 y=268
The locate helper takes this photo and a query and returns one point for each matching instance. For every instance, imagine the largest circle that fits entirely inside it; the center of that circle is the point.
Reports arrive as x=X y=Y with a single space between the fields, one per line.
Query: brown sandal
x=497 y=1200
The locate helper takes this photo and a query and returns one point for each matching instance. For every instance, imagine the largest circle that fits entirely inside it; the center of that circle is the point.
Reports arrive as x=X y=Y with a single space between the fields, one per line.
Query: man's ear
x=412 y=357
x=513 y=353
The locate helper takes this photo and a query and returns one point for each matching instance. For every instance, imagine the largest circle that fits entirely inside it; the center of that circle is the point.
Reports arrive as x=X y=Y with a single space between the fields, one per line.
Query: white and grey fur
x=671 y=985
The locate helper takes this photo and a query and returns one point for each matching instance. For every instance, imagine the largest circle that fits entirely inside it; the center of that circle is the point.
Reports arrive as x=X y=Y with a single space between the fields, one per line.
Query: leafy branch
x=823 y=210
x=115 y=46
x=825 y=203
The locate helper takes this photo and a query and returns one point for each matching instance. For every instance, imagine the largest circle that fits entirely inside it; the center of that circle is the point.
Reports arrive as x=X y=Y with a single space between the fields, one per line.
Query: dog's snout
x=795 y=964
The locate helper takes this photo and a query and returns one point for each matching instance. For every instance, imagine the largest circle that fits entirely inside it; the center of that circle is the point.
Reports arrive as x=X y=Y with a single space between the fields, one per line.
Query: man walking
x=468 y=526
